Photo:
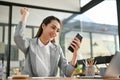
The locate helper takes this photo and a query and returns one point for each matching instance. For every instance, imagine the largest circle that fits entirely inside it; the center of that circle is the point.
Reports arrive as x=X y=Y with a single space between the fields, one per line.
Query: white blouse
x=43 y=59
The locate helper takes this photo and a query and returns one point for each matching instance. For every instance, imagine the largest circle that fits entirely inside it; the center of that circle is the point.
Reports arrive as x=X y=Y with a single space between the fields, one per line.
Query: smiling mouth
x=52 y=35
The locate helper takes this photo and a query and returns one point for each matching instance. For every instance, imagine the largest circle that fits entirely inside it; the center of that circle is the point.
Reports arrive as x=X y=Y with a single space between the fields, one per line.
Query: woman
x=43 y=56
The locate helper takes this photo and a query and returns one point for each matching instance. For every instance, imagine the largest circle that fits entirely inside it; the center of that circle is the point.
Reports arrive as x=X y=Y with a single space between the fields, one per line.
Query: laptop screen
x=113 y=69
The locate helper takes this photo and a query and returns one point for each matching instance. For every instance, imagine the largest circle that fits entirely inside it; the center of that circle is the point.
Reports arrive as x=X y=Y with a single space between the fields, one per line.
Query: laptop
x=113 y=70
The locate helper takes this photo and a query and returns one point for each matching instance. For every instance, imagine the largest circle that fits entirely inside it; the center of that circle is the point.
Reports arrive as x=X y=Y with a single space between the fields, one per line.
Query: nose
x=55 y=33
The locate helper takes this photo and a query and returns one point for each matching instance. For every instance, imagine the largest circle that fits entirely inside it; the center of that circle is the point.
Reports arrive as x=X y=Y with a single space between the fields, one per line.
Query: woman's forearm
x=74 y=59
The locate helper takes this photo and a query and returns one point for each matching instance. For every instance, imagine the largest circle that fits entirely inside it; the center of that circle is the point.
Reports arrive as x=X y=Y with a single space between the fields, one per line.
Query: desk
x=38 y=78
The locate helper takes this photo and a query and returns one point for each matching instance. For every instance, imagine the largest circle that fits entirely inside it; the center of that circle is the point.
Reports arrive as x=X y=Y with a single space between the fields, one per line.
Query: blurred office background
x=98 y=26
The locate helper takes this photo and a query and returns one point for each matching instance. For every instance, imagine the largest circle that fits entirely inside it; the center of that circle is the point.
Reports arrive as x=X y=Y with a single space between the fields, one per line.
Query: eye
x=58 y=30
x=53 y=27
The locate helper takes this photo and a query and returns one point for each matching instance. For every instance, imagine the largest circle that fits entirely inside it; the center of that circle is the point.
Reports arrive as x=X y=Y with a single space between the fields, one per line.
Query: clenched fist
x=24 y=14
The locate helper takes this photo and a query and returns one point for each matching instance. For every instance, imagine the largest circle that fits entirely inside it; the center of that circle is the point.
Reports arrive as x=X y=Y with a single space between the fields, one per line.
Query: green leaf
x=78 y=69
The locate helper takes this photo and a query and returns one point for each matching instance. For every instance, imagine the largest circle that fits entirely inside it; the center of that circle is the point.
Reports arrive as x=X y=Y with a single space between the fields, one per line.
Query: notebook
x=113 y=69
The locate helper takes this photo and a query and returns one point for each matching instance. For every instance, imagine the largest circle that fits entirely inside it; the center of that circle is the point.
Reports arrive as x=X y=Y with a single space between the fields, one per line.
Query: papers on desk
x=90 y=77
x=45 y=77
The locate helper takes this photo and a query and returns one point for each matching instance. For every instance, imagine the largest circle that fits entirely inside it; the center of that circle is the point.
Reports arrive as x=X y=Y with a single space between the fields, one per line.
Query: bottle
x=4 y=73
x=1 y=70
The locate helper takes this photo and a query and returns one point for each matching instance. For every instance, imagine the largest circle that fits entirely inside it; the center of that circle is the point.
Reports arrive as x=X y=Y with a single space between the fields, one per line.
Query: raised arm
x=21 y=41
x=76 y=42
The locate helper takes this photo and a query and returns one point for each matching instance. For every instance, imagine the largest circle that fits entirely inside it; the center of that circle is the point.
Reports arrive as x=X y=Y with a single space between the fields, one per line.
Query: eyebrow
x=55 y=26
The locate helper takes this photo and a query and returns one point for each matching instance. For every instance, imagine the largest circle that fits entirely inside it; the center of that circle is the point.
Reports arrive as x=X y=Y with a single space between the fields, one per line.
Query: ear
x=43 y=26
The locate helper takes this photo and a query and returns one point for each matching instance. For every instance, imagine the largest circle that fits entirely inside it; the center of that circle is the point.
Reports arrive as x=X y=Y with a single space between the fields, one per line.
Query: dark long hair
x=46 y=21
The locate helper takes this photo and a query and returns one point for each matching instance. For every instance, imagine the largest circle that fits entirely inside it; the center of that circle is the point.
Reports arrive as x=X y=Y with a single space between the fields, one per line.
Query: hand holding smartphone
x=79 y=37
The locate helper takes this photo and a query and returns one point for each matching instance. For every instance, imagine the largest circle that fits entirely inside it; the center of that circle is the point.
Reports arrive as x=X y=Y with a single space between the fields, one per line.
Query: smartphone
x=79 y=37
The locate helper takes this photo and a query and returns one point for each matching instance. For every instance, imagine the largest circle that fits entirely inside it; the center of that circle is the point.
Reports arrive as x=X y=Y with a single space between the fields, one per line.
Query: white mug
x=102 y=71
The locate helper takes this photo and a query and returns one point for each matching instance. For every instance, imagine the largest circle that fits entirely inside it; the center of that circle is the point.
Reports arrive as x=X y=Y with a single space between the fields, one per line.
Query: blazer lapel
x=53 y=50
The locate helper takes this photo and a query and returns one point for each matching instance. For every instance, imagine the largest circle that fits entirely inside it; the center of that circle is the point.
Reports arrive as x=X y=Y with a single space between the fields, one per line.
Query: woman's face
x=51 y=30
